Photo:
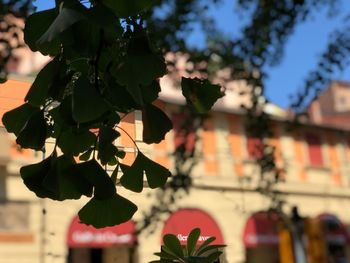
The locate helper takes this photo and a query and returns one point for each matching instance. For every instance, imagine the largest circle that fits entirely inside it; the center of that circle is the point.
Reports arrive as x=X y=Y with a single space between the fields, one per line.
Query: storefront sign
x=184 y=238
x=80 y=235
x=87 y=237
x=183 y=221
x=261 y=230
x=335 y=230
x=262 y=239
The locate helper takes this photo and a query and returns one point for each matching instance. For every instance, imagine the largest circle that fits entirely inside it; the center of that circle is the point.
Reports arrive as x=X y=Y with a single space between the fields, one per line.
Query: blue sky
x=301 y=53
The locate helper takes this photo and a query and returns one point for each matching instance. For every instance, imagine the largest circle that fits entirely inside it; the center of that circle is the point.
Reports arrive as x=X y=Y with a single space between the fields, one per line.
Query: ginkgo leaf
x=88 y=103
x=156 y=174
x=155 y=124
x=33 y=134
x=73 y=142
x=62 y=183
x=133 y=175
x=104 y=187
x=66 y=18
x=108 y=212
x=14 y=120
x=51 y=178
x=201 y=94
x=38 y=92
x=119 y=98
x=36 y=25
x=150 y=92
x=139 y=68
x=132 y=178
x=104 y=18
x=86 y=155
x=33 y=176
x=106 y=149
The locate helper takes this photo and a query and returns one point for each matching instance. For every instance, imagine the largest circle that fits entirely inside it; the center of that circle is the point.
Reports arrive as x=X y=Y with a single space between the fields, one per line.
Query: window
x=314 y=149
x=255 y=148
x=184 y=135
x=14 y=216
x=342 y=100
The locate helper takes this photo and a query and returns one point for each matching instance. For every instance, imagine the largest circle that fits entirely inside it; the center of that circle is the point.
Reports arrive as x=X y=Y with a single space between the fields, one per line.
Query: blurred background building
x=332 y=107
x=223 y=200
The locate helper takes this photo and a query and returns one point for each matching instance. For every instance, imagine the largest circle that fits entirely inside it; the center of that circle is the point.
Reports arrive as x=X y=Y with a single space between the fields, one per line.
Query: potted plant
x=172 y=251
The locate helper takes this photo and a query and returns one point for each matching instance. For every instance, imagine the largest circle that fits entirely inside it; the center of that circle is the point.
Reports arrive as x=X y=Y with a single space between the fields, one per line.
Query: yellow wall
x=219 y=188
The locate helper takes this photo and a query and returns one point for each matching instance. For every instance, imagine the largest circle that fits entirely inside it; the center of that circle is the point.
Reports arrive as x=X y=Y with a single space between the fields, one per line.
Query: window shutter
x=255 y=148
x=314 y=148
x=184 y=135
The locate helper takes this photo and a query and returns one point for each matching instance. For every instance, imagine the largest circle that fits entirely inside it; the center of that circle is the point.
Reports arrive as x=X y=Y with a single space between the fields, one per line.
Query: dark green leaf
x=112 y=118
x=164 y=255
x=203 y=250
x=126 y=8
x=34 y=132
x=80 y=65
x=120 y=154
x=104 y=18
x=156 y=174
x=61 y=117
x=3 y=77
x=173 y=244
x=107 y=212
x=150 y=92
x=65 y=19
x=168 y=251
x=212 y=257
x=80 y=40
x=132 y=178
x=39 y=90
x=63 y=183
x=204 y=244
x=36 y=25
x=140 y=67
x=106 y=149
x=201 y=94
x=64 y=115
x=113 y=161
x=119 y=97
x=86 y=155
x=52 y=178
x=88 y=104
x=155 y=124
x=74 y=142
x=104 y=187
x=114 y=174
x=33 y=176
x=15 y=119
x=192 y=240
x=195 y=259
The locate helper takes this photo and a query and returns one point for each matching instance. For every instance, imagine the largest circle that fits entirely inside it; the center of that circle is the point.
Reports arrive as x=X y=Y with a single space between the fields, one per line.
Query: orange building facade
x=317 y=180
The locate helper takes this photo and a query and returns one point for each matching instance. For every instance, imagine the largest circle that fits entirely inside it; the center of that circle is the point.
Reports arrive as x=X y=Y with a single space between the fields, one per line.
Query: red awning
x=183 y=221
x=335 y=230
x=80 y=235
x=261 y=230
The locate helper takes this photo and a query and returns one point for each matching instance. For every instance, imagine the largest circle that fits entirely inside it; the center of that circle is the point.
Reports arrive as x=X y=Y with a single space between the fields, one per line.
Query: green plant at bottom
x=172 y=251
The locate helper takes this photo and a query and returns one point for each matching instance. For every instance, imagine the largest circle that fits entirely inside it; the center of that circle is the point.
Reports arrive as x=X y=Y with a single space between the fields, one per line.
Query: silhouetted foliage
x=108 y=56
